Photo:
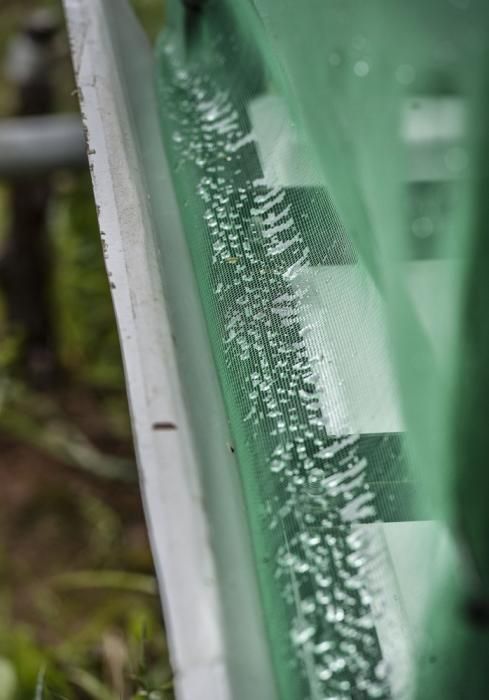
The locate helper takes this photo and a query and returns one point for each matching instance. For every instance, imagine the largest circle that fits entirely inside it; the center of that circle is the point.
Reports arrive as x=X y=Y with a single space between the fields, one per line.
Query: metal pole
x=26 y=264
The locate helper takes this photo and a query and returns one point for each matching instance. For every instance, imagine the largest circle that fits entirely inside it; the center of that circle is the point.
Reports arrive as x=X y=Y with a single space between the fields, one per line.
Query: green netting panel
x=326 y=157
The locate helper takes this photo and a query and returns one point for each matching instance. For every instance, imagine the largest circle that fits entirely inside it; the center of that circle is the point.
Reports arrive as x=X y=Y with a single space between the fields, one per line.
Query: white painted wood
x=170 y=485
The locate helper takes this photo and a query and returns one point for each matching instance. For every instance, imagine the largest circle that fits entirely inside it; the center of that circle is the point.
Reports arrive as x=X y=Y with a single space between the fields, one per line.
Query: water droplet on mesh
x=301 y=567
x=302 y=633
x=278 y=465
x=324 y=673
x=361 y=69
x=323 y=647
x=335 y=614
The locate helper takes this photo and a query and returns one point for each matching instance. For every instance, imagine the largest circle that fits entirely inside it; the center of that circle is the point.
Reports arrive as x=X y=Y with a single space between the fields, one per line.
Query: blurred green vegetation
x=87 y=333
x=151 y=14
x=79 y=613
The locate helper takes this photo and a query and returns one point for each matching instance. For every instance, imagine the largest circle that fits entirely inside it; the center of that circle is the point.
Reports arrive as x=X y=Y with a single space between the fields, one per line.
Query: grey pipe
x=36 y=145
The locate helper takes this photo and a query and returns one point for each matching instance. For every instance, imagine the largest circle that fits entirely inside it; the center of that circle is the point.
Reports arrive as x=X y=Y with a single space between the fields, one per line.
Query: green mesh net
x=329 y=162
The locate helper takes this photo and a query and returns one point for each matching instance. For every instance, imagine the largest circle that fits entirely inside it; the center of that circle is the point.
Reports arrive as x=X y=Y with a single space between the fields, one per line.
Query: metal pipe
x=36 y=145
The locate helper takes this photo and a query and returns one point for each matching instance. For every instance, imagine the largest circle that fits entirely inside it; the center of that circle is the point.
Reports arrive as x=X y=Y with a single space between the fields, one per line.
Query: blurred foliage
x=151 y=13
x=87 y=333
x=79 y=614
x=78 y=600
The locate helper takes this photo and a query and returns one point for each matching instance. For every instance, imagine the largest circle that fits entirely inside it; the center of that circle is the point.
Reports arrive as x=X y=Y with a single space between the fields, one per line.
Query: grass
x=79 y=613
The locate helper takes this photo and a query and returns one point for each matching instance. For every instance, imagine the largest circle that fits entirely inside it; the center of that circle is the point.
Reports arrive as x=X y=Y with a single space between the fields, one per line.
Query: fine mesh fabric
x=329 y=162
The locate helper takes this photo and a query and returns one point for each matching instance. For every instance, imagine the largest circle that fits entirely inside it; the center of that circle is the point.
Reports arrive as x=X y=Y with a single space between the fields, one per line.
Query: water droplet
x=302 y=567
x=323 y=647
x=302 y=633
x=334 y=614
x=337 y=664
x=278 y=465
x=324 y=673
x=361 y=69
x=314 y=480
